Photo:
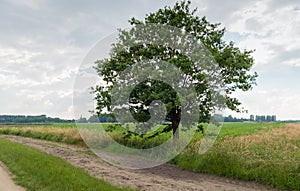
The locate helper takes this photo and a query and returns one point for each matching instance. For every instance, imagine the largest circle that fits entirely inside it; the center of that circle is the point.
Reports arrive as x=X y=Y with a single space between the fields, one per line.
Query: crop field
x=267 y=153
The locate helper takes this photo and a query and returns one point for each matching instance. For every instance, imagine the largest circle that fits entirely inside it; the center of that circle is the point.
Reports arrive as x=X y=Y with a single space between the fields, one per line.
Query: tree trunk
x=176 y=116
x=175 y=124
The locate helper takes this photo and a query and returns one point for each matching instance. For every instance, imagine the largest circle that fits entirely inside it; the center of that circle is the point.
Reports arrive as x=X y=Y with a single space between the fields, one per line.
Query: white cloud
x=42 y=44
x=32 y=4
x=285 y=103
x=272 y=28
x=267 y=29
x=292 y=62
x=48 y=103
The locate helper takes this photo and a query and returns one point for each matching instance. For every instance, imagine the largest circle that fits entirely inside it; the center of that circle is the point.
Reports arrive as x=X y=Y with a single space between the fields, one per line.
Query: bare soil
x=164 y=177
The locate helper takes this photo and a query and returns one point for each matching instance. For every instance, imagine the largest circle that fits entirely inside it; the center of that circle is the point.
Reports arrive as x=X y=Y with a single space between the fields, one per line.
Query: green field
x=264 y=152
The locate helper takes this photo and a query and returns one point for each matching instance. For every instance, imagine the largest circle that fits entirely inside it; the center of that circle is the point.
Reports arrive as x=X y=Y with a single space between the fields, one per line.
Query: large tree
x=234 y=66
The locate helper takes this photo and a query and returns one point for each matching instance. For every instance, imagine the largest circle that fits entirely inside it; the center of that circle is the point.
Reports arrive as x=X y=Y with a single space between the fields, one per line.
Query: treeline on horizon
x=109 y=118
x=32 y=119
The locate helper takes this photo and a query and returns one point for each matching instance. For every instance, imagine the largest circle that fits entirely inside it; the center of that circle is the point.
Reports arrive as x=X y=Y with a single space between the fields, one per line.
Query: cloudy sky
x=43 y=42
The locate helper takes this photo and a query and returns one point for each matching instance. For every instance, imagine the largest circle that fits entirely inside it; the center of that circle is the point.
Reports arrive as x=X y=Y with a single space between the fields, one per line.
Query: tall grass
x=57 y=134
x=270 y=156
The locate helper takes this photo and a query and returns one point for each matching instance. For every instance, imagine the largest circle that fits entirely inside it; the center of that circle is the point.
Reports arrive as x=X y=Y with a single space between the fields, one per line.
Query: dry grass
x=270 y=156
x=68 y=135
x=288 y=132
x=279 y=145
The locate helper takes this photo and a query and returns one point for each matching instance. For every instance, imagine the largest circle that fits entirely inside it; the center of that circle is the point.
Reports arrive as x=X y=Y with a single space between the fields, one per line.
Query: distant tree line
x=102 y=118
x=234 y=119
x=109 y=118
x=31 y=119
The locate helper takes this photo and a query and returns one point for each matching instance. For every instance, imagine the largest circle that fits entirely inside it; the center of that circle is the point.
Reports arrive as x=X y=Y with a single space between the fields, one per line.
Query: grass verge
x=270 y=157
x=54 y=133
x=36 y=170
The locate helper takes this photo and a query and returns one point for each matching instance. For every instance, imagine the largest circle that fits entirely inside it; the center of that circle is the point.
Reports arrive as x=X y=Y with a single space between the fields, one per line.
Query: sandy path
x=164 y=177
x=6 y=184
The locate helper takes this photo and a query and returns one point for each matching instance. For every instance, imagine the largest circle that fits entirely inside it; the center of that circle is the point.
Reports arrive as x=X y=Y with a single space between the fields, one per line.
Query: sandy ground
x=164 y=177
x=6 y=184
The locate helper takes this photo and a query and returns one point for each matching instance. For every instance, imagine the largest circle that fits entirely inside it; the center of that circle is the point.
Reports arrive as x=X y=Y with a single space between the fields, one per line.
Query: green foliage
x=111 y=128
x=102 y=118
x=234 y=65
x=135 y=140
x=37 y=170
x=11 y=119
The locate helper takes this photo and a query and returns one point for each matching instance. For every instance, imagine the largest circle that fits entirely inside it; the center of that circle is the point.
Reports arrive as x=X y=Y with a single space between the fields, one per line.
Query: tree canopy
x=233 y=66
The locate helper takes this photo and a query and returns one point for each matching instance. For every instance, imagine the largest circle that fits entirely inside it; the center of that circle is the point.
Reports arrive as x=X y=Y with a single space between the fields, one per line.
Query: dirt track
x=164 y=178
x=6 y=184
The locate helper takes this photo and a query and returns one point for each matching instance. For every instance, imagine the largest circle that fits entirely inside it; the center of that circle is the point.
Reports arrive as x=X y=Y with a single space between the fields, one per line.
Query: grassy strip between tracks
x=36 y=170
